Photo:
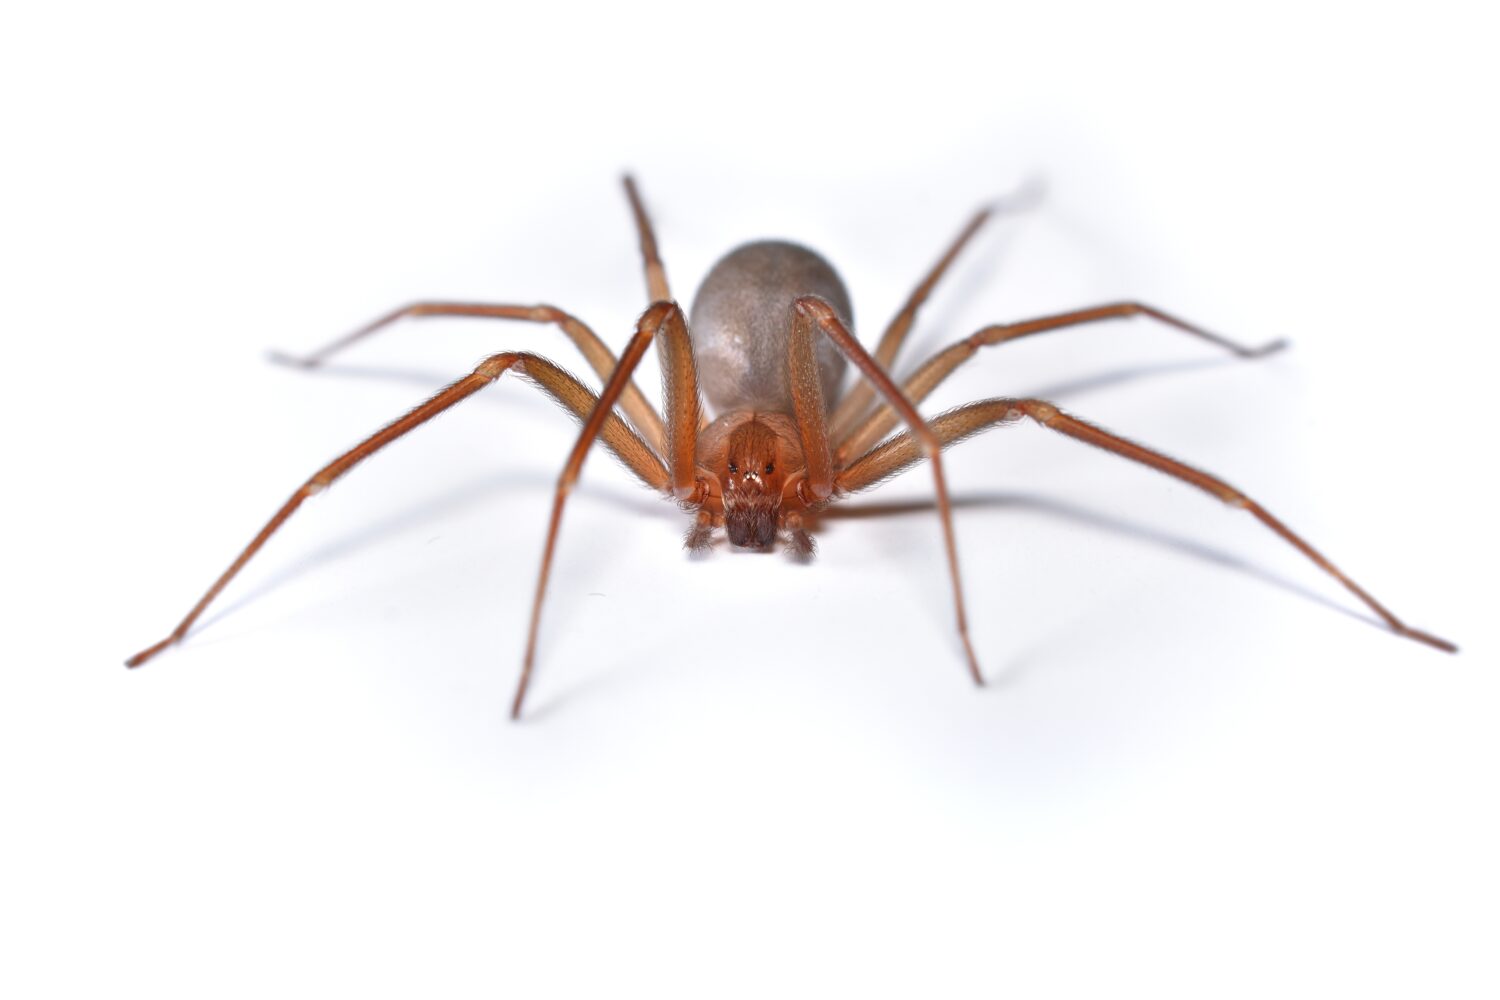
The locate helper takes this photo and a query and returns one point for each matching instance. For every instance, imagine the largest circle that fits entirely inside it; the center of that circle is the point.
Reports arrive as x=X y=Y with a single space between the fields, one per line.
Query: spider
x=767 y=345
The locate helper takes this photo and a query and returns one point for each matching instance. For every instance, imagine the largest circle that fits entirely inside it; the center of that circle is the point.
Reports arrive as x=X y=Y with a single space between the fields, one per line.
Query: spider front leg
x=682 y=404
x=664 y=319
x=901 y=452
x=557 y=383
x=812 y=312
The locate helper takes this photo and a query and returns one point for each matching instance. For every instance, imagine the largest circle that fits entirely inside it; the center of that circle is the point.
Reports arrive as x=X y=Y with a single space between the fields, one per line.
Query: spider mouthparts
x=750 y=520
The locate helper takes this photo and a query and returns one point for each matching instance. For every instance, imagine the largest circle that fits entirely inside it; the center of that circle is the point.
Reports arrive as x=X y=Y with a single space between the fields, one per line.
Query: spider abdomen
x=741 y=321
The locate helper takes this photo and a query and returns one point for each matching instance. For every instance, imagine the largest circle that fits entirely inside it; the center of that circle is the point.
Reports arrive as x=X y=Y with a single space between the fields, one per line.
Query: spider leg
x=549 y=377
x=656 y=288
x=937 y=368
x=659 y=315
x=805 y=381
x=901 y=452
x=682 y=404
x=799 y=540
x=861 y=394
x=656 y=274
x=599 y=357
x=816 y=312
x=701 y=535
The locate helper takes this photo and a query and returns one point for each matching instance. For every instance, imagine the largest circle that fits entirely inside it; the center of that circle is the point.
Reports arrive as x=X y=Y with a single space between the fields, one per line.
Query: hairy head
x=752 y=479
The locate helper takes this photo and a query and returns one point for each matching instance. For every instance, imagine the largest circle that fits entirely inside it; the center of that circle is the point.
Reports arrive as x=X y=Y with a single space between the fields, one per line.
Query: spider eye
x=770 y=468
x=733 y=467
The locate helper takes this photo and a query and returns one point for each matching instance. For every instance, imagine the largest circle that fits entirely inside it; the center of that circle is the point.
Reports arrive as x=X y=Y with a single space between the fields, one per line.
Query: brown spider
x=773 y=454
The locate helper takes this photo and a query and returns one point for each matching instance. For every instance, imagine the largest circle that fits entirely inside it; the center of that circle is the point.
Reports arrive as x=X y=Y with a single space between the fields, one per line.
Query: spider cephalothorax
x=751 y=455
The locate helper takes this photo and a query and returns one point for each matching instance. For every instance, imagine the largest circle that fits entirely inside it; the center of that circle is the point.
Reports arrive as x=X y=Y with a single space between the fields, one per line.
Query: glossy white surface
x=1198 y=769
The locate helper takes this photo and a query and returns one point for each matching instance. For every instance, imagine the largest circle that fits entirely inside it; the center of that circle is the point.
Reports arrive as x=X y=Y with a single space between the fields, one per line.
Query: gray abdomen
x=741 y=322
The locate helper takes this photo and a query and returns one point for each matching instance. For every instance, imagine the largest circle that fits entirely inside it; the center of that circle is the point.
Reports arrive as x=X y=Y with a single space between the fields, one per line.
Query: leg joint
x=496 y=365
x=1042 y=412
x=986 y=336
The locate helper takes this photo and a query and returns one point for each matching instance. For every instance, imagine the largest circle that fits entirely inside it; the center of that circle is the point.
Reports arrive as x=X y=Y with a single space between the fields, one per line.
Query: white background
x=1200 y=768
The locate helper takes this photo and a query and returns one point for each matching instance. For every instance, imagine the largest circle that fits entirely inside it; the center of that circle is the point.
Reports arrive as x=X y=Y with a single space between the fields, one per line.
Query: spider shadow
x=428 y=381
x=1124 y=376
x=485 y=489
x=1072 y=514
x=415 y=516
x=1092 y=519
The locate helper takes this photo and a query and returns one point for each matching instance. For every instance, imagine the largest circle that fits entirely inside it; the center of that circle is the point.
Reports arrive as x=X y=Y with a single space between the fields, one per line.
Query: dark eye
x=733 y=467
x=770 y=468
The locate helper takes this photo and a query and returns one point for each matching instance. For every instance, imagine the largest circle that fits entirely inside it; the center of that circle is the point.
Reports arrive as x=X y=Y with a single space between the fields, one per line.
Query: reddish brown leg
x=650 y=323
x=679 y=374
x=941 y=365
x=901 y=452
x=599 y=357
x=861 y=395
x=799 y=540
x=556 y=382
x=807 y=404
x=656 y=274
x=701 y=535
x=656 y=281
x=820 y=313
